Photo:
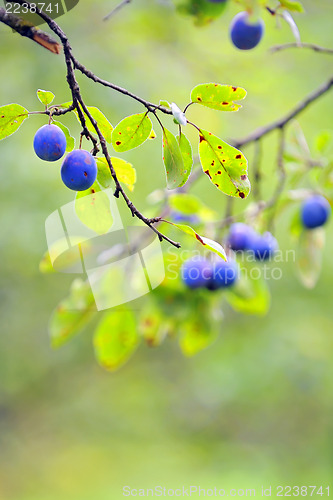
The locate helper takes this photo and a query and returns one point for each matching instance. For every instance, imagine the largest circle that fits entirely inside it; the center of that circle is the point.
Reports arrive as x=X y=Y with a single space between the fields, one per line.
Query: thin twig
x=301 y=106
x=116 y=9
x=300 y=45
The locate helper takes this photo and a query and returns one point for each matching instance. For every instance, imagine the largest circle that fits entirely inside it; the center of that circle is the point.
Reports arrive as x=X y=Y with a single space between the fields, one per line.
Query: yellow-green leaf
x=116 y=339
x=131 y=132
x=206 y=242
x=219 y=97
x=225 y=165
x=125 y=171
x=93 y=209
x=45 y=96
x=11 y=118
x=176 y=171
x=70 y=141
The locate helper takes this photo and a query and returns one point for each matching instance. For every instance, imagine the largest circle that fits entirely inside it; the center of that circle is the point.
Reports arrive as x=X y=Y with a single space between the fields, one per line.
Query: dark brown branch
x=30 y=31
x=282 y=122
x=300 y=45
x=80 y=107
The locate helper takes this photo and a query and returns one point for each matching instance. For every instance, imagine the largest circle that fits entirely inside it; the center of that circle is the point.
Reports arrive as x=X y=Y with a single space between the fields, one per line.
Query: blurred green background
x=256 y=409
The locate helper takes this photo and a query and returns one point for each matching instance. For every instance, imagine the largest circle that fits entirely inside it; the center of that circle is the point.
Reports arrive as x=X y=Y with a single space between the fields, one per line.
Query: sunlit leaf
x=93 y=209
x=116 y=339
x=250 y=295
x=206 y=242
x=11 y=118
x=225 y=165
x=196 y=335
x=176 y=171
x=292 y=5
x=187 y=154
x=125 y=171
x=72 y=314
x=189 y=204
x=103 y=123
x=45 y=96
x=131 y=132
x=219 y=97
x=70 y=141
x=152 y=325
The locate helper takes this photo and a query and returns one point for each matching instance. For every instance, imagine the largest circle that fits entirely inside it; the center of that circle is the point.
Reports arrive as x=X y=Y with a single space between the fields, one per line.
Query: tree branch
x=282 y=122
x=79 y=105
x=300 y=45
x=30 y=31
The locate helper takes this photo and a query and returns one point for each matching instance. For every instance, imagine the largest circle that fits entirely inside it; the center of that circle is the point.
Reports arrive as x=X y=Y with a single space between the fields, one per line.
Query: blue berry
x=315 y=212
x=50 y=143
x=240 y=236
x=196 y=272
x=263 y=246
x=246 y=35
x=79 y=170
x=225 y=274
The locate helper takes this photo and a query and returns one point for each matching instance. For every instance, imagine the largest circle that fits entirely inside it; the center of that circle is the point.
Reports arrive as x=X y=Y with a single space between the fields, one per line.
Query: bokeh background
x=256 y=409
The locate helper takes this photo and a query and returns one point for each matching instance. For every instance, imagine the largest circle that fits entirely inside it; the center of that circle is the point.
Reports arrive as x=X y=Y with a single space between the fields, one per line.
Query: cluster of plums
x=79 y=169
x=200 y=273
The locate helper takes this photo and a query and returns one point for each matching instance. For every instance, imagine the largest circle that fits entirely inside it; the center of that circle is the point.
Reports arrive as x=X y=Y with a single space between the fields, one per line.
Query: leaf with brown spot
x=11 y=118
x=206 y=242
x=131 y=132
x=219 y=97
x=225 y=165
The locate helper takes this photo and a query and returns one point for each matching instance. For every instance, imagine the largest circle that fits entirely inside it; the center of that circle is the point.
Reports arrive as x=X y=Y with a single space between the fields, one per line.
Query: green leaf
x=11 y=118
x=206 y=242
x=125 y=171
x=292 y=5
x=203 y=11
x=196 y=335
x=249 y=295
x=219 y=97
x=189 y=204
x=45 y=96
x=323 y=141
x=69 y=139
x=176 y=171
x=187 y=154
x=152 y=325
x=310 y=253
x=166 y=104
x=93 y=209
x=103 y=123
x=225 y=165
x=72 y=314
x=116 y=339
x=131 y=132
x=66 y=257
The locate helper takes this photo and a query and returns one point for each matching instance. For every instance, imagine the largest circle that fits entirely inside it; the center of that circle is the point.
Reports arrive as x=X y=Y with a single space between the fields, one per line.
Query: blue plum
x=315 y=212
x=240 y=236
x=79 y=170
x=263 y=246
x=196 y=272
x=50 y=143
x=244 y=33
x=225 y=274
